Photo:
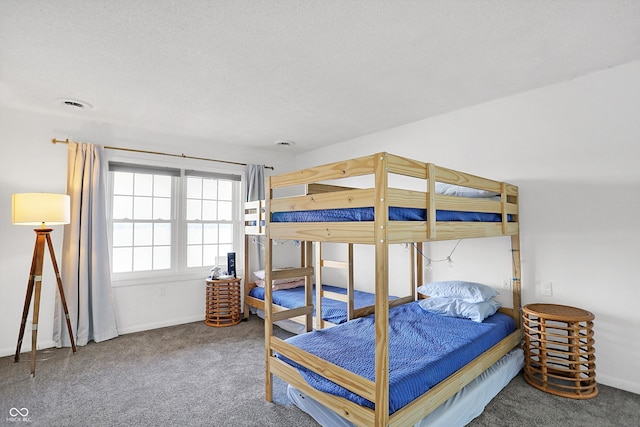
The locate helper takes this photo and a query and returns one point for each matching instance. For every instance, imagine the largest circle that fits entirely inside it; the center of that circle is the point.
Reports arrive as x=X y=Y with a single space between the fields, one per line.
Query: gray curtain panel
x=255 y=182
x=255 y=191
x=86 y=272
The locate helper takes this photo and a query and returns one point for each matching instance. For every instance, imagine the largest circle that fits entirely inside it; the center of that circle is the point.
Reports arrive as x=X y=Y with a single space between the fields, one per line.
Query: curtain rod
x=184 y=156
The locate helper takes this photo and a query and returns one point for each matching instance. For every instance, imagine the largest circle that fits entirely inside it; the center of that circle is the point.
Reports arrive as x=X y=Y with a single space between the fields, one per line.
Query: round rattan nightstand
x=223 y=306
x=559 y=353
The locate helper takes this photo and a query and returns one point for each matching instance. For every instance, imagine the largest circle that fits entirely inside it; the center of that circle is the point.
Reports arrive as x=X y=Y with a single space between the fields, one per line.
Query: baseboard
x=618 y=383
x=157 y=325
x=26 y=348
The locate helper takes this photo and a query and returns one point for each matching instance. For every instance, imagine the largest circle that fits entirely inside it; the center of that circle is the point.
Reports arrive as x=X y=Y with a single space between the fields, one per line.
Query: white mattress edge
x=458 y=410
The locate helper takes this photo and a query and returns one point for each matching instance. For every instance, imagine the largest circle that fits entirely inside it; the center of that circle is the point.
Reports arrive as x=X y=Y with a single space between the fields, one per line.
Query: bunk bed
x=337 y=304
x=370 y=216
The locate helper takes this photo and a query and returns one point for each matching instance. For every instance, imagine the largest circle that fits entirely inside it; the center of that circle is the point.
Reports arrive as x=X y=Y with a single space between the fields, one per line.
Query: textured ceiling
x=315 y=72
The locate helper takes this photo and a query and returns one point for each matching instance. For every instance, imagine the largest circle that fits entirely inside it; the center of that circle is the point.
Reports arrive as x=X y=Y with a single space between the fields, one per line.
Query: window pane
x=194 y=210
x=123 y=183
x=142 y=258
x=210 y=233
x=161 y=257
x=142 y=208
x=161 y=208
x=121 y=260
x=162 y=234
x=194 y=187
x=162 y=186
x=210 y=189
x=194 y=256
x=122 y=234
x=225 y=190
x=143 y=234
x=209 y=208
x=226 y=233
x=224 y=249
x=122 y=207
x=209 y=254
x=225 y=211
x=194 y=234
x=142 y=184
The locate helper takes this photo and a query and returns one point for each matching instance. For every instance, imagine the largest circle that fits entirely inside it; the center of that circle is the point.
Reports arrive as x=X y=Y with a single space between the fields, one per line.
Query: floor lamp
x=40 y=209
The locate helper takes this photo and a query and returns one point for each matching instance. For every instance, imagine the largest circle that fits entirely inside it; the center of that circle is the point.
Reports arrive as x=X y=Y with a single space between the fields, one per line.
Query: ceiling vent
x=285 y=143
x=75 y=104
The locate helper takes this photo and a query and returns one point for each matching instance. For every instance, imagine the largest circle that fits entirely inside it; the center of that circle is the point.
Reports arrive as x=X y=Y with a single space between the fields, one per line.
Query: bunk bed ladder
x=271 y=315
x=320 y=263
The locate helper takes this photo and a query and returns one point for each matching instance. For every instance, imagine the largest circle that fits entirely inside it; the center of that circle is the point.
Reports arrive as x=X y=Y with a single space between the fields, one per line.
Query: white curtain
x=255 y=182
x=255 y=191
x=86 y=272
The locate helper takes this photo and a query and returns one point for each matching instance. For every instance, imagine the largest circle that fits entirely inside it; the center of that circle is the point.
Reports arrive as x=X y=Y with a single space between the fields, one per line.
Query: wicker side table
x=559 y=353
x=223 y=302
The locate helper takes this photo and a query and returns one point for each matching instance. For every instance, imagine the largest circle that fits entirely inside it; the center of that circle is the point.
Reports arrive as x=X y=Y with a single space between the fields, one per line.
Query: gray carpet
x=195 y=375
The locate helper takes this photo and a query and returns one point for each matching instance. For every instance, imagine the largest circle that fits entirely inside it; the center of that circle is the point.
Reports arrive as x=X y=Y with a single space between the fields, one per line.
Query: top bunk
x=407 y=201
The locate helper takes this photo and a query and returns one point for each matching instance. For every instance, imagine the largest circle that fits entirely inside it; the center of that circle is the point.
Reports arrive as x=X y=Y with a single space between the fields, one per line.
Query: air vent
x=285 y=143
x=75 y=104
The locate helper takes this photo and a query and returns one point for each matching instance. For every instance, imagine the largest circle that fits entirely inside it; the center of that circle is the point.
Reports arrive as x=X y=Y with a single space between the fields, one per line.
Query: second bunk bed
x=356 y=370
x=338 y=302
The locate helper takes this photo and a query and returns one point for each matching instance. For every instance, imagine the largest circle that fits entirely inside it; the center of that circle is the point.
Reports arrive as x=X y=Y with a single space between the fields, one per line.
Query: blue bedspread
x=424 y=349
x=332 y=311
x=367 y=214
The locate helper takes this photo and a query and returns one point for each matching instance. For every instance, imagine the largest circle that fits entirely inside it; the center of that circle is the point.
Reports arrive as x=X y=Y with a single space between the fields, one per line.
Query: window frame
x=179 y=269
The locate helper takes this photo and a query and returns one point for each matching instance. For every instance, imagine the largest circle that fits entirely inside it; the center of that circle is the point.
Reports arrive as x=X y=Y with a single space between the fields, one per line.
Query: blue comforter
x=424 y=349
x=367 y=214
x=332 y=311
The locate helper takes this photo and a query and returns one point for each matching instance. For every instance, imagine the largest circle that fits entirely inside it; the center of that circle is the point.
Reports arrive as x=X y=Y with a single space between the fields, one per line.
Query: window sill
x=156 y=278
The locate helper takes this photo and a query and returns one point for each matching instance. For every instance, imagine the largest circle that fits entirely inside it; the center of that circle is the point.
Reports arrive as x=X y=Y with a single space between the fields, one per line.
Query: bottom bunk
x=338 y=304
x=429 y=355
x=334 y=312
x=458 y=410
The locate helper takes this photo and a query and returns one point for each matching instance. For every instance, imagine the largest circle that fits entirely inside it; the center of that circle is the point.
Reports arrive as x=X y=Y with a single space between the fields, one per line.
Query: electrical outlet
x=163 y=291
x=546 y=289
x=506 y=283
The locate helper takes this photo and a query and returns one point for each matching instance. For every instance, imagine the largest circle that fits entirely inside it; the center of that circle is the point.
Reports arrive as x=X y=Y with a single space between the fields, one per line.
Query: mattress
x=332 y=310
x=395 y=214
x=425 y=348
x=459 y=410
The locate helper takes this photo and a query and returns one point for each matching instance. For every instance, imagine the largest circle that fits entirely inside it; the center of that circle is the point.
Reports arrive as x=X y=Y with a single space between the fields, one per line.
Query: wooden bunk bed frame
x=254 y=213
x=254 y=225
x=381 y=233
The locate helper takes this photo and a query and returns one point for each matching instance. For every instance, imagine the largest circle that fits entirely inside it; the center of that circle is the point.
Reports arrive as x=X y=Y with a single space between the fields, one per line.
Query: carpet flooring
x=195 y=375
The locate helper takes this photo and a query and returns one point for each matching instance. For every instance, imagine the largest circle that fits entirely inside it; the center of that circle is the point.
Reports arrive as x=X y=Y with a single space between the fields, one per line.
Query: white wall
x=573 y=150
x=31 y=163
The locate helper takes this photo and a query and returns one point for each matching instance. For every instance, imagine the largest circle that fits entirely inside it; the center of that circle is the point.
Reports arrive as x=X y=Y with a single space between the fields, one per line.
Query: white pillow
x=456 y=307
x=283 y=283
x=469 y=291
x=460 y=191
x=259 y=274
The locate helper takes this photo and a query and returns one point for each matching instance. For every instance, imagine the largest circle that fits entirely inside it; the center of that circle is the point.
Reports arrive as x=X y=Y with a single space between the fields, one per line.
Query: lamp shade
x=40 y=209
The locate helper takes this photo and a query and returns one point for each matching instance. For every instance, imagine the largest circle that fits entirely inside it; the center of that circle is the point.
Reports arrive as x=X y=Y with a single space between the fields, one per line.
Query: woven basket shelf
x=223 y=306
x=559 y=353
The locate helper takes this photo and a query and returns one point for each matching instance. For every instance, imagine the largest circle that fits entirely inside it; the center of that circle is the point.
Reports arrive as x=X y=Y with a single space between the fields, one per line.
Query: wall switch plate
x=506 y=283
x=546 y=289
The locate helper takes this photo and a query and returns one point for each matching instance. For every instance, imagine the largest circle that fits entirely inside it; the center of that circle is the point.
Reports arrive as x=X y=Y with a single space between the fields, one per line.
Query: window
x=171 y=220
x=209 y=218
